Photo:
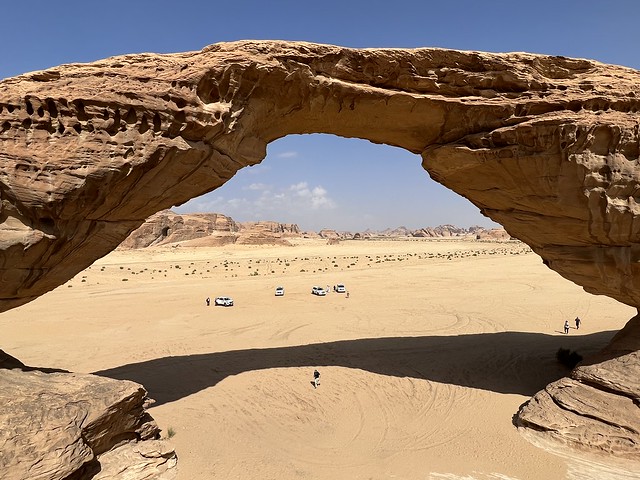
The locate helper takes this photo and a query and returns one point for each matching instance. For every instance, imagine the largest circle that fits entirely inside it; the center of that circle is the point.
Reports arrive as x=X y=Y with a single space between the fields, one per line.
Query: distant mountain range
x=215 y=229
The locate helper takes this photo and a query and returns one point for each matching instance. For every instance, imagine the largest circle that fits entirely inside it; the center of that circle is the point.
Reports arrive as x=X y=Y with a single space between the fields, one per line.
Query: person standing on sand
x=578 y=321
x=316 y=379
x=208 y=301
x=566 y=326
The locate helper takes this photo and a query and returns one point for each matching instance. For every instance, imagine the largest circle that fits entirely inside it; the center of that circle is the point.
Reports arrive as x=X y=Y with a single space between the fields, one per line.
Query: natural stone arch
x=546 y=146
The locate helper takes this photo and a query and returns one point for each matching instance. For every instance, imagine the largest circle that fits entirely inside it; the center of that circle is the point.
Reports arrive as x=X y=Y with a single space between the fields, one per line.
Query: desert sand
x=422 y=366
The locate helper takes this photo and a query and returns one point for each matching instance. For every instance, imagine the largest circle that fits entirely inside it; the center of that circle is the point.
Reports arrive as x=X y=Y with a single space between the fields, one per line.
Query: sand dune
x=422 y=366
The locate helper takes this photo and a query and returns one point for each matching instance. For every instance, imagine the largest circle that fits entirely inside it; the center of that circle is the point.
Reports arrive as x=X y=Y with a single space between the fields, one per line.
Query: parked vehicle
x=318 y=291
x=279 y=291
x=339 y=288
x=223 y=302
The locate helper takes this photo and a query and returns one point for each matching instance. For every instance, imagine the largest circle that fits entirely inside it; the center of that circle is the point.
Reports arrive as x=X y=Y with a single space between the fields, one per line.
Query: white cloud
x=289 y=154
x=315 y=197
x=256 y=186
x=300 y=187
x=319 y=199
x=238 y=203
x=296 y=203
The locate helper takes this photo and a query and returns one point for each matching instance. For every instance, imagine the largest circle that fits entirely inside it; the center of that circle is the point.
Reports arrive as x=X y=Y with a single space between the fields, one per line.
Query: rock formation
x=267 y=233
x=216 y=229
x=329 y=234
x=287 y=229
x=206 y=230
x=546 y=146
x=598 y=405
x=59 y=425
x=166 y=227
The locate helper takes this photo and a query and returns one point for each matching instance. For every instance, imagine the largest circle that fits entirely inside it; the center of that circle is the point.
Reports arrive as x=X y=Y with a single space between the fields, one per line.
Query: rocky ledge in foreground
x=597 y=408
x=67 y=426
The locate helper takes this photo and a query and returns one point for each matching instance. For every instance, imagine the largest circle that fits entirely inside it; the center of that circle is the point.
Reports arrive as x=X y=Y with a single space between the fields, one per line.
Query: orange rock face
x=166 y=227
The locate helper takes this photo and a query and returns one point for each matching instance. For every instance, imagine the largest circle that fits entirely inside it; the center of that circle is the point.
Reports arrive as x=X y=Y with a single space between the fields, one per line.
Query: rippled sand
x=422 y=366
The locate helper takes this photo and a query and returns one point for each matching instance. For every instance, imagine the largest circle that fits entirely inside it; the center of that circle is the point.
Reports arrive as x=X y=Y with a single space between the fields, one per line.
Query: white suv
x=224 y=301
x=318 y=291
x=339 y=288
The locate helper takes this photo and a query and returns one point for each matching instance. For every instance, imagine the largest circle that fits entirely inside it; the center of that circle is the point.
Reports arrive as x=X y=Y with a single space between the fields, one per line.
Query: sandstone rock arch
x=546 y=146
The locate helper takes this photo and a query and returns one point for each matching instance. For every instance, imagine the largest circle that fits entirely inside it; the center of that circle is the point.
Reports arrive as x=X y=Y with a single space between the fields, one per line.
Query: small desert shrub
x=170 y=432
x=568 y=358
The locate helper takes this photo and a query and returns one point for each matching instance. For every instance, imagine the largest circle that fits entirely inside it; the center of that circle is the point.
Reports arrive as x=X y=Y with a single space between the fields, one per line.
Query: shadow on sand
x=504 y=362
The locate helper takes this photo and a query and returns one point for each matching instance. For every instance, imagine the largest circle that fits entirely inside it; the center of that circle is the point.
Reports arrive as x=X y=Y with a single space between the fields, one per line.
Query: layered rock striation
x=597 y=407
x=546 y=146
x=166 y=227
x=206 y=230
x=62 y=425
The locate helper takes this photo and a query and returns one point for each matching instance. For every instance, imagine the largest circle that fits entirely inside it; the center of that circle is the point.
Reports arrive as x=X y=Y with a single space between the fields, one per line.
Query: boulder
x=58 y=425
x=598 y=406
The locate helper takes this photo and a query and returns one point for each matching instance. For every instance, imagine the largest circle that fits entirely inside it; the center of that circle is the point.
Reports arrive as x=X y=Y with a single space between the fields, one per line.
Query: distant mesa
x=206 y=230
x=166 y=227
x=216 y=229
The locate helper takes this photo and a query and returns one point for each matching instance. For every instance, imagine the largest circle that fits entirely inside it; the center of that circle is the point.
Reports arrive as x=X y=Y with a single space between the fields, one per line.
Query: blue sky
x=321 y=181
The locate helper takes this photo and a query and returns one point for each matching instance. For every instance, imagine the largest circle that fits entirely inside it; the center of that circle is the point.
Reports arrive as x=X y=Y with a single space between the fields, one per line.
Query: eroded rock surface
x=546 y=146
x=206 y=230
x=166 y=227
x=59 y=425
x=598 y=406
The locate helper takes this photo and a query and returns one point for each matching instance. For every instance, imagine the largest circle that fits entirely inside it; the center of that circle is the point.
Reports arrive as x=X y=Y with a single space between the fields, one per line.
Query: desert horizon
x=423 y=365
x=216 y=229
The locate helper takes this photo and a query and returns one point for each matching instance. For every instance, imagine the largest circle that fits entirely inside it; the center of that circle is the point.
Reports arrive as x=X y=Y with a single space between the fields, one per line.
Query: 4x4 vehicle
x=224 y=301
x=279 y=291
x=318 y=291
x=339 y=288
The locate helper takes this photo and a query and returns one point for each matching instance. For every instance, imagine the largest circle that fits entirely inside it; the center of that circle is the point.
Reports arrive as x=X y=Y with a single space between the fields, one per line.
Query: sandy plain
x=423 y=365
